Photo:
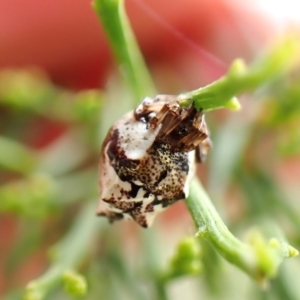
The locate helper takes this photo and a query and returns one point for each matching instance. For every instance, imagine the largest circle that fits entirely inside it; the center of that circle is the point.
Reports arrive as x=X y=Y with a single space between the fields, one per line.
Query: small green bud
x=268 y=255
x=74 y=284
x=233 y=104
x=188 y=248
x=187 y=259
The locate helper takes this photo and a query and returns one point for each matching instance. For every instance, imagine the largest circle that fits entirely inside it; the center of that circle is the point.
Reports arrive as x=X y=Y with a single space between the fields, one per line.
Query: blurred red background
x=65 y=38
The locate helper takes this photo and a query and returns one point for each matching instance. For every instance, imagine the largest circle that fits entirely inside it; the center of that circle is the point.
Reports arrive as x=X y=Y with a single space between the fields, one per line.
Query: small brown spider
x=148 y=159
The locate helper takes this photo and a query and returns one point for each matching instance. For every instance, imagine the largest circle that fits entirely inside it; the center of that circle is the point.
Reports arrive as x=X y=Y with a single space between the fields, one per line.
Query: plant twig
x=221 y=93
x=115 y=22
x=260 y=259
x=154 y=264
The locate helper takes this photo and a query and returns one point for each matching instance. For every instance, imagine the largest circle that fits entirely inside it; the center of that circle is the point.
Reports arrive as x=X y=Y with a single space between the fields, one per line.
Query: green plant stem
x=161 y=290
x=249 y=257
x=154 y=264
x=116 y=25
x=119 y=266
x=240 y=78
x=66 y=255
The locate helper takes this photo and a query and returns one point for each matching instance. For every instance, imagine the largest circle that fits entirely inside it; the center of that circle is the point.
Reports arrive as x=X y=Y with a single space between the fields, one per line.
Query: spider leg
x=202 y=150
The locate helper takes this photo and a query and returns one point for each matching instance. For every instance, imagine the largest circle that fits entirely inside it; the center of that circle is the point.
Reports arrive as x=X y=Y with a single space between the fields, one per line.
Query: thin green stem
x=239 y=79
x=119 y=266
x=260 y=259
x=161 y=290
x=154 y=264
x=116 y=25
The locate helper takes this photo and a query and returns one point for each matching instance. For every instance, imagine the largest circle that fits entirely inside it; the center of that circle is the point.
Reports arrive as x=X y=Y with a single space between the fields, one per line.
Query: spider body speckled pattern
x=148 y=159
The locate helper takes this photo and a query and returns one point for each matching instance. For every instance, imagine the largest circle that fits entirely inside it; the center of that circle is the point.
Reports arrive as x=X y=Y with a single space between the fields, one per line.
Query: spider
x=148 y=159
